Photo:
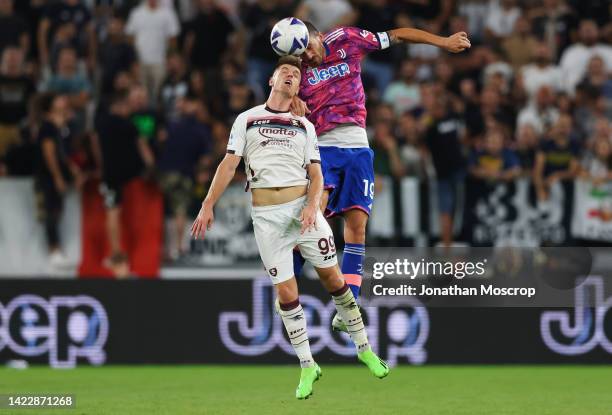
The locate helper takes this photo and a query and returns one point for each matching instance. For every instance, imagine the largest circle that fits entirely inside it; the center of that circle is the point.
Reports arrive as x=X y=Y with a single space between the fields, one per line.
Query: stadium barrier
x=404 y=213
x=64 y=323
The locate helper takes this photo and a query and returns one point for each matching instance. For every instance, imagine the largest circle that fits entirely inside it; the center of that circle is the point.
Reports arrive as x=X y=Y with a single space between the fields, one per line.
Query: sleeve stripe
x=231 y=151
x=383 y=39
x=315 y=161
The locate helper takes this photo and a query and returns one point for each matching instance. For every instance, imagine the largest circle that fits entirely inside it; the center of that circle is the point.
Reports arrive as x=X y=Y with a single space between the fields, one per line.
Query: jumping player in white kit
x=283 y=168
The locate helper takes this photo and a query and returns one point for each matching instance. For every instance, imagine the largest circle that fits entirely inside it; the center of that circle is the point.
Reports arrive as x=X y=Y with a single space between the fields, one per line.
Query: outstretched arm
x=223 y=177
x=455 y=43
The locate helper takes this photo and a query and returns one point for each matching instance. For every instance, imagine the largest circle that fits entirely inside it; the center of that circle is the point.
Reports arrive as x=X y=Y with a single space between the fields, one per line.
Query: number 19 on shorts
x=368 y=188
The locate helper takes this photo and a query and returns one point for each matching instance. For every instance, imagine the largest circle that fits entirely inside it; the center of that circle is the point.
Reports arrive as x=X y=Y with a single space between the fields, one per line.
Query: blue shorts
x=349 y=176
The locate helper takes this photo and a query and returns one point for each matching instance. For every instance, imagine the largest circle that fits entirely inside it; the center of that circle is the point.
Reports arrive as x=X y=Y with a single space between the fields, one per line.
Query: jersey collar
x=275 y=111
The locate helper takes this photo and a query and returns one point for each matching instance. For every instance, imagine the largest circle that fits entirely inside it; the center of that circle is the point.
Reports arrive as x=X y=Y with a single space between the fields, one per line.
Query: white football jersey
x=276 y=146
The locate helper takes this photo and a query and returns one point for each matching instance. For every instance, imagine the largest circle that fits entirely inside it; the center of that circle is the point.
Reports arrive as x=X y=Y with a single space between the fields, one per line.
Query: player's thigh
x=275 y=245
x=358 y=186
x=317 y=246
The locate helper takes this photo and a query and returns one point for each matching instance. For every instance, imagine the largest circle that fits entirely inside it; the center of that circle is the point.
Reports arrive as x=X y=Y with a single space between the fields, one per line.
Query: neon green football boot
x=309 y=376
x=377 y=366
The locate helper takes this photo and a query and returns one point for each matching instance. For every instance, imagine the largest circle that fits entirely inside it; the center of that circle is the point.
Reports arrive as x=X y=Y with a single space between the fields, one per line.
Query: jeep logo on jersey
x=332 y=72
x=277 y=132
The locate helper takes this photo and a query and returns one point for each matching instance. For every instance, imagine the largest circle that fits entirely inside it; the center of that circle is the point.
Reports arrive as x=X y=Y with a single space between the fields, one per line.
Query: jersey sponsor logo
x=273 y=271
x=275 y=132
x=333 y=71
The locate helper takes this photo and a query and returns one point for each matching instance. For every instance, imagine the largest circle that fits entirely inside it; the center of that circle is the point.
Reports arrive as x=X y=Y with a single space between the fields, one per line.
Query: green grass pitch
x=452 y=390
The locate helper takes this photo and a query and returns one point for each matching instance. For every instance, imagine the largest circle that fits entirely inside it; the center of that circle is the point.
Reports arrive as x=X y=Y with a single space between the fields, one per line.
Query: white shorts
x=277 y=232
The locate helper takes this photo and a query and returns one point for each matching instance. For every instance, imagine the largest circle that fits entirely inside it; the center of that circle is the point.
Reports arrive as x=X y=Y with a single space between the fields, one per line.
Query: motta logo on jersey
x=398 y=328
x=334 y=71
x=65 y=328
x=277 y=132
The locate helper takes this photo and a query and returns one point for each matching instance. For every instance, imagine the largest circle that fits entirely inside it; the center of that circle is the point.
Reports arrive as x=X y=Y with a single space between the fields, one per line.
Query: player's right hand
x=457 y=42
x=298 y=107
x=308 y=217
x=203 y=222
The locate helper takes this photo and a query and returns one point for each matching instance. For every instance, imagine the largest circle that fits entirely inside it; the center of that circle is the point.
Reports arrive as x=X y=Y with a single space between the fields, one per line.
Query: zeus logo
x=66 y=328
x=332 y=72
x=588 y=331
x=397 y=328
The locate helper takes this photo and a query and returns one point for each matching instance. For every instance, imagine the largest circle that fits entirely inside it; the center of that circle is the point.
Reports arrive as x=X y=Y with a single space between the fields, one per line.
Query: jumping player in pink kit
x=332 y=90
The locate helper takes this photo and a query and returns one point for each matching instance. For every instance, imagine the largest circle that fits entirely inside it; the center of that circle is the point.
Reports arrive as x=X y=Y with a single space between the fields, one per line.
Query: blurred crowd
x=118 y=89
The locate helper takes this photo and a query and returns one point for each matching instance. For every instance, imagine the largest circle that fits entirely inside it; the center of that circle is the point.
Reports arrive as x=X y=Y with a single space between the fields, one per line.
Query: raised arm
x=223 y=177
x=455 y=43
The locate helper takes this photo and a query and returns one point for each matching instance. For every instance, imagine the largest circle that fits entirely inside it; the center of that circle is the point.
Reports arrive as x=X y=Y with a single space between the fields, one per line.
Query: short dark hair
x=289 y=60
x=312 y=30
x=44 y=102
x=118 y=97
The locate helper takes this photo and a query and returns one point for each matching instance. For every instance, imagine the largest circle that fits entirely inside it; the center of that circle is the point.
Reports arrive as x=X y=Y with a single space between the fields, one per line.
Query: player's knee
x=286 y=292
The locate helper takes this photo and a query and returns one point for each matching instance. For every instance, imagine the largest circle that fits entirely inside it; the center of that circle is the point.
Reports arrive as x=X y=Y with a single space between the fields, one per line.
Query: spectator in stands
x=411 y=152
x=116 y=54
x=541 y=114
x=540 y=72
x=501 y=18
x=556 y=159
x=387 y=161
x=69 y=81
x=405 y=93
x=377 y=16
x=187 y=144
x=175 y=86
x=576 y=57
x=13 y=29
x=519 y=46
x=260 y=18
x=598 y=78
x=527 y=144
x=144 y=118
x=489 y=110
x=124 y=156
x=66 y=23
x=325 y=14
x=207 y=37
x=597 y=166
x=496 y=162
x=553 y=22
x=154 y=30
x=443 y=139
x=54 y=171
x=16 y=90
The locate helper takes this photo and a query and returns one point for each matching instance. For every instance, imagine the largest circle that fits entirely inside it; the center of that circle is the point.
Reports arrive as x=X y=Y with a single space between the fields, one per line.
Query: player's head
x=315 y=52
x=286 y=76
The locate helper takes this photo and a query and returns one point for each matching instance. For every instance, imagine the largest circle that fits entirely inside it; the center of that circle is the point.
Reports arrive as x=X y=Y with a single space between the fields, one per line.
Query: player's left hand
x=298 y=107
x=308 y=217
x=203 y=222
x=457 y=43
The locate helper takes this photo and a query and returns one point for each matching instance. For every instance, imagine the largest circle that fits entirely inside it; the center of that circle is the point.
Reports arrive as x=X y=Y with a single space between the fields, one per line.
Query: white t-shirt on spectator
x=402 y=96
x=500 y=21
x=535 y=77
x=541 y=121
x=152 y=28
x=325 y=13
x=575 y=61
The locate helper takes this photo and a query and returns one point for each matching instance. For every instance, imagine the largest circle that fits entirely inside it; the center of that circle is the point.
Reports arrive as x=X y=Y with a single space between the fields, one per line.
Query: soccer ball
x=289 y=37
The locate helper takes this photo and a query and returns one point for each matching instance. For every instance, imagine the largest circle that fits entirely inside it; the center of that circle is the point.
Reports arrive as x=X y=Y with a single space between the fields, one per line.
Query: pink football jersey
x=333 y=91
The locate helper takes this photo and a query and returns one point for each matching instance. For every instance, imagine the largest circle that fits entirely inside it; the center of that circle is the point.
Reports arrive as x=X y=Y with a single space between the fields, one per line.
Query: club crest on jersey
x=341 y=53
x=333 y=71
